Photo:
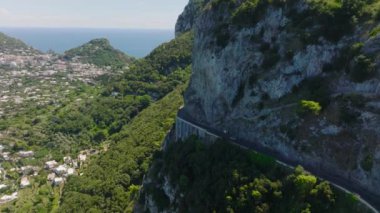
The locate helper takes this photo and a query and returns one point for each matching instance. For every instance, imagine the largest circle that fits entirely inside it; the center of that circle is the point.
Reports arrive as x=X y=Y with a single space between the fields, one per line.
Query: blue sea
x=134 y=42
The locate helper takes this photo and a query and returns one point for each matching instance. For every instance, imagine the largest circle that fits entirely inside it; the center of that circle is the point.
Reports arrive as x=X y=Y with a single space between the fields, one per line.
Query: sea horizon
x=132 y=41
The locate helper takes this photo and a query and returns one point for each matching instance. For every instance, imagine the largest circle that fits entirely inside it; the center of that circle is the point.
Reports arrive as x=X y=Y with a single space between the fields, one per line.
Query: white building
x=26 y=154
x=6 y=156
x=82 y=157
x=58 y=181
x=51 y=164
x=51 y=177
x=7 y=198
x=24 y=182
x=61 y=170
x=67 y=160
x=3 y=186
x=70 y=171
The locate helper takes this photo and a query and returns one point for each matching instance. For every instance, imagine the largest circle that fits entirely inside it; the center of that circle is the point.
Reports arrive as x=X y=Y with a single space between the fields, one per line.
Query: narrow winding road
x=368 y=199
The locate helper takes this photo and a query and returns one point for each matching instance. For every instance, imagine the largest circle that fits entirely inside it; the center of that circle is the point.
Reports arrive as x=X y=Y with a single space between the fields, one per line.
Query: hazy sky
x=91 y=13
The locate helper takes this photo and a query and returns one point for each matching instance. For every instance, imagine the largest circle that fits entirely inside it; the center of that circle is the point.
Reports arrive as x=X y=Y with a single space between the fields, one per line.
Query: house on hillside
x=7 y=198
x=27 y=170
x=58 y=181
x=70 y=171
x=61 y=170
x=3 y=186
x=26 y=154
x=24 y=182
x=5 y=156
x=50 y=165
x=51 y=177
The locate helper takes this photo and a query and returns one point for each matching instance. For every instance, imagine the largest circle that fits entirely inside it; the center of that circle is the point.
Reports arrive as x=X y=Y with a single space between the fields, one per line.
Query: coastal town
x=14 y=178
x=30 y=77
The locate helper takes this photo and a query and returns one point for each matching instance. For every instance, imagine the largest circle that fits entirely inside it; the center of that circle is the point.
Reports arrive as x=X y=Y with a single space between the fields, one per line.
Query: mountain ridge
x=13 y=45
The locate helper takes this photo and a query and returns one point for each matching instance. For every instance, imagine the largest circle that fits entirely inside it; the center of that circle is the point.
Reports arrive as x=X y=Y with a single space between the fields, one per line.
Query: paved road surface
x=370 y=200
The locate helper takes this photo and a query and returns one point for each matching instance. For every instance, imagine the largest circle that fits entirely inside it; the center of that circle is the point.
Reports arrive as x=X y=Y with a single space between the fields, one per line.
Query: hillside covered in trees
x=98 y=117
x=191 y=176
x=99 y=52
x=8 y=43
x=300 y=77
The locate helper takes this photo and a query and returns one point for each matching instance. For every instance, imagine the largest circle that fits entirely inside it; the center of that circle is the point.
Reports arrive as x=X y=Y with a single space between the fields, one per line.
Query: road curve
x=368 y=199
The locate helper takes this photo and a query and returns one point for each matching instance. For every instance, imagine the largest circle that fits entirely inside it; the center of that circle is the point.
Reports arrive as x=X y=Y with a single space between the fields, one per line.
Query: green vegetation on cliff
x=330 y=19
x=224 y=178
x=171 y=55
x=159 y=73
x=310 y=107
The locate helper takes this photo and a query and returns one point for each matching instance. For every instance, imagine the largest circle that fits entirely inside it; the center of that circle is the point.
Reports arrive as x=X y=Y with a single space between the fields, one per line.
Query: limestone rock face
x=168 y=191
x=188 y=18
x=250 y=80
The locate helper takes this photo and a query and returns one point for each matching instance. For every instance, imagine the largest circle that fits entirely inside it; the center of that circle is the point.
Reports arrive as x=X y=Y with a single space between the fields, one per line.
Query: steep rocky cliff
x=254 y=62
x=187 y=19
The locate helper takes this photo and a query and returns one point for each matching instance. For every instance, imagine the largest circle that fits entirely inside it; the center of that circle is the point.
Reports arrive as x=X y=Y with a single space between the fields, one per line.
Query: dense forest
x=112 y=180
x=160 y=72
x=125 y=118
x=222 y=177
x=103 y=118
